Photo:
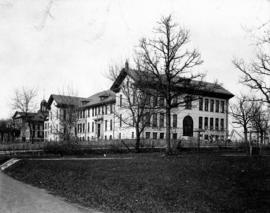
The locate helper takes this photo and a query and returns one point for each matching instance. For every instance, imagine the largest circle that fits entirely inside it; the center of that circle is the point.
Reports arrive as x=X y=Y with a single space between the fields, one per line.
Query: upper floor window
x=222 y=106
x=161 y=120
x=161 y=101
x=120 y=100
x=200 y=122
x=206 y=104
x=200 y=104
x=155 y=120
x=111 y=108
x=212 y=105
x=217 y=105
x=188 y=102
x=174 y=120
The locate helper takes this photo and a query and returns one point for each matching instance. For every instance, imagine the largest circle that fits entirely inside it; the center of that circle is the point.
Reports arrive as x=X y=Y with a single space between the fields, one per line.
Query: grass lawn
x=152 y=183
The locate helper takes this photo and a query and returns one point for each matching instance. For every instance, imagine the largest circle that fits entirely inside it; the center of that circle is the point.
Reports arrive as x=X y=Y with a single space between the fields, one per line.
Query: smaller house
x=31 y=124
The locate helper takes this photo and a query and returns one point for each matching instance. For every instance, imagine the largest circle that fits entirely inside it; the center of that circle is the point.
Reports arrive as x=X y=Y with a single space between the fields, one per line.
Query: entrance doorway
x=188 y=126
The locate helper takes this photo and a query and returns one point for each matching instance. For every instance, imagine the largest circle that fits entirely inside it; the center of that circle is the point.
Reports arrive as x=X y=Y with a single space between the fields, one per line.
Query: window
x=147 y=135
x=217 y=124
x=99 y=110
x=200 y=104
x=161 y=135
x=217 y=105
x=88 y=112
x=155 y=120
x=161 y=120
x=111 y=125
x=147 y=100
x=206 y=137
x=102 y=110
x=205 y=123
x=222 y=124
x=212 y=105
x=120 y=100
x=174 y=136
x=154 y=135
x=83 y=126
x=188 y=102
x=200 y=122
x=132 y=135
x=93 y=126
x=211 y=123
x=120 y=120
x=155 y=101
x=222 y=106
x=106 y=125
x=174 y=121
x=110 y=137
x=111 y=108
x=147 y=118
x=119 y=136
x=106 y=110
x=206 y=104
x=92 y=112
x=95 y=111
x=161 y=101
x=88 y=127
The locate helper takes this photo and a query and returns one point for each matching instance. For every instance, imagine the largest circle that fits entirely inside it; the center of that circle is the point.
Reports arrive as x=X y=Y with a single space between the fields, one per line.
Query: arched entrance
x=188 y=126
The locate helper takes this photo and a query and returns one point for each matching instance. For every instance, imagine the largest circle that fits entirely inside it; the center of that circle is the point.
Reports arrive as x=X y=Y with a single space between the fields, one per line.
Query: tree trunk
x=248 y=143
x=168 y=130
x=137 y=146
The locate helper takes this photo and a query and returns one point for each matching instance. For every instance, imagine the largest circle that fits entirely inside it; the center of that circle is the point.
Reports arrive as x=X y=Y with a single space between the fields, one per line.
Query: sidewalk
x=18 y=197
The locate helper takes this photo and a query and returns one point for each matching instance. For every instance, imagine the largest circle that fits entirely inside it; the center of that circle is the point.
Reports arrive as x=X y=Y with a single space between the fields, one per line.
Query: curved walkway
x=18 y=197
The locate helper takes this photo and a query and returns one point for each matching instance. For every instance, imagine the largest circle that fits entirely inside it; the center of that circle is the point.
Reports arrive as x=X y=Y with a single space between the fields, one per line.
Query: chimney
x=126 y=65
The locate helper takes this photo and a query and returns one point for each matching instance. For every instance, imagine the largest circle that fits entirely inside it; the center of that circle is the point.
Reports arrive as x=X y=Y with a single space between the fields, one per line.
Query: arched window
x=188 y=126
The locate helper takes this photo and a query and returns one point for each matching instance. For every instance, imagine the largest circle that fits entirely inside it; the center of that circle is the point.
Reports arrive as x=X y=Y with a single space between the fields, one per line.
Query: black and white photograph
x=121 y=106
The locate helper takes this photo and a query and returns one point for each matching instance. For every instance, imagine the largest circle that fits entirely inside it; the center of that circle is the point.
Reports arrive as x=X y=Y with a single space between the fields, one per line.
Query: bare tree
x=135 y=102
x=256 y=74
x=242 y=111
x=24 y=101
x=260 y=118
x=167 y=58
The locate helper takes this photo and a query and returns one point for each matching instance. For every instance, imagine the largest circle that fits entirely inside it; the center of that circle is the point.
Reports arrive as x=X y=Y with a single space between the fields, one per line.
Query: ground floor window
x=161 y=135
x=147 y=135
x=174 y=136
x=154 y=135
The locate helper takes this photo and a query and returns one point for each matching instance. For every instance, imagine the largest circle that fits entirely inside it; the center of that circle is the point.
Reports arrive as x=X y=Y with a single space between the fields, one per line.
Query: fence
x=124 y=144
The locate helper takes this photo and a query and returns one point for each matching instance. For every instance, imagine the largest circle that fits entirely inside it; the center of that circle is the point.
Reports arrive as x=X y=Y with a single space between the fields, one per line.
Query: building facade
x=103 y=115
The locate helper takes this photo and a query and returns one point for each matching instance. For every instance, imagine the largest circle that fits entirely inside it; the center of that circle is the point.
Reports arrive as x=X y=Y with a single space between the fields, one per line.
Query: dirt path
x=18 y=197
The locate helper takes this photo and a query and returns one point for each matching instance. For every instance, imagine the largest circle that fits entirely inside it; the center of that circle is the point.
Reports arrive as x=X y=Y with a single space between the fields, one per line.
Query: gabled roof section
x=106 y=96
x=148 y=80
x=33 y=116
x=63 y=100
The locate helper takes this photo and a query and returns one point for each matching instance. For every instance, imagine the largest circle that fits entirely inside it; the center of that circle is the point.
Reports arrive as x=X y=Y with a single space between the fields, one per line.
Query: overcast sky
x=50 y=45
